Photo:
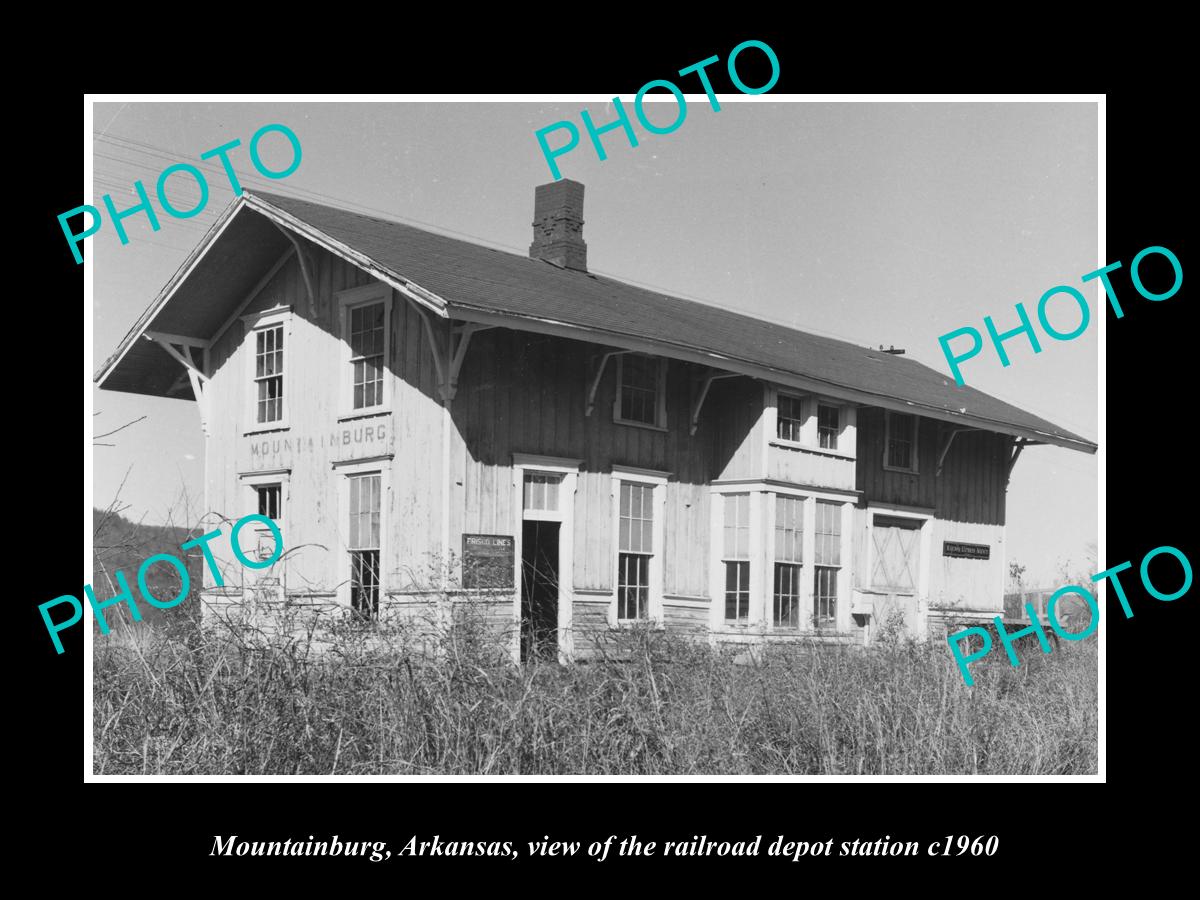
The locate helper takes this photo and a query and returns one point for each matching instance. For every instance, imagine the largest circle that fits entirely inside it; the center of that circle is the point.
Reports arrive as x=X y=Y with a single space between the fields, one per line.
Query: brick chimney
x=558 y=224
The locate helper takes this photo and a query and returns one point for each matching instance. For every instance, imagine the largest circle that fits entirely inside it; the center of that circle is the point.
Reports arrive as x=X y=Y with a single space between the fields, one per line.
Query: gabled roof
x=468 y=282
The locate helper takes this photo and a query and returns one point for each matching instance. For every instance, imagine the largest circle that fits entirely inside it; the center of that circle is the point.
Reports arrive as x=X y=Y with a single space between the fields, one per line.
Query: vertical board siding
x=526 y=393
x=313 y=521
x=522 y=393
x=731 y=418
x=967 y=500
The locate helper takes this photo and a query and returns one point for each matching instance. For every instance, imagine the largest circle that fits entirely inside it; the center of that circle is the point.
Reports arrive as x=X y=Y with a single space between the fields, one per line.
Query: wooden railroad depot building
x=426 y=417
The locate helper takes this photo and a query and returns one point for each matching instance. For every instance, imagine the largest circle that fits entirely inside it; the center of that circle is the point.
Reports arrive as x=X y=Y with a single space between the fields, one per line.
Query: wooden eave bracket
x=698 y=404
x=947 y=440
x=460 y=339
x=195 y=372
x=306 y=268
x=1019 y=445
x=596 y=378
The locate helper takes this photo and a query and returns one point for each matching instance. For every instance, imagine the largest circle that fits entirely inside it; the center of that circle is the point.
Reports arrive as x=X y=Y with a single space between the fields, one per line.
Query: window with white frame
x=900 y=439
x=363 y=543
x=267 y=495
x=270 y=500
x=828 y=425
x=635 y=550
x=268 y=373
x=266 y=348
x=789 y=556
x=736 y=557
x=827 y=563
x=366 y=354
x=541 y=492
x=789 y=422
x=366 y=322
x=641 y=390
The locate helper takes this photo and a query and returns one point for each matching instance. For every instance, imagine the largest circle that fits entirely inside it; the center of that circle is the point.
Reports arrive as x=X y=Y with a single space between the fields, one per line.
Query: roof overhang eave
x=164 y=296
x=415 y=292
x=625 y=341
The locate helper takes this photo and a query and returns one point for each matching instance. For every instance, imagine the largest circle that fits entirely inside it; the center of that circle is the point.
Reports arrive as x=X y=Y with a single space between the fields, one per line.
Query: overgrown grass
x=652 y=704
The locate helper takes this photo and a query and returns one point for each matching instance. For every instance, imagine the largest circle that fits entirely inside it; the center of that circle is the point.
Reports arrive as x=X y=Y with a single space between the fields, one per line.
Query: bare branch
x=115 y=430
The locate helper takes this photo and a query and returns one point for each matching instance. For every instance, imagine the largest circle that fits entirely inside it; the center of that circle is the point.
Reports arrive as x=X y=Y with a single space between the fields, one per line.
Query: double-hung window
x=736 y=557
x=635 y=550
x=268 y=373
x=641 y=390
x=268 y=347
x=827 y=563
x=789 y=422
x=366 y=354
x=789 y=555
x=366 y=323
x=828 y=425
x=900 y=451
x=638 y=501
x=363 y=543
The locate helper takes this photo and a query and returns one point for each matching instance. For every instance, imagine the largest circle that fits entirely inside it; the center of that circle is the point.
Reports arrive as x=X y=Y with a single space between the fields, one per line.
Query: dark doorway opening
x=539 y=591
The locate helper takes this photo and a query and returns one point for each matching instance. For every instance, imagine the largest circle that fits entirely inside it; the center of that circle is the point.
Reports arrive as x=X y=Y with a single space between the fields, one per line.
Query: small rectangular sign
x=966 y=551
x=488 y=561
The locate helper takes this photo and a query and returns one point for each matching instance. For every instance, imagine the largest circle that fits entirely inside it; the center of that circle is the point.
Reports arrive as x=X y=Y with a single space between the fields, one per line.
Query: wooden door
x=895 y=571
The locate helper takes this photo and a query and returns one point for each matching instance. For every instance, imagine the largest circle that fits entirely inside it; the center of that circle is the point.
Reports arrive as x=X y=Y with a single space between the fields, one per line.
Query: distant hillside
x=121 y=544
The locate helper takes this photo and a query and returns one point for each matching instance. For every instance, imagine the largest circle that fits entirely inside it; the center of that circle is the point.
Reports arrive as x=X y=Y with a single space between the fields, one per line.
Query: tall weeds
x=648 y=703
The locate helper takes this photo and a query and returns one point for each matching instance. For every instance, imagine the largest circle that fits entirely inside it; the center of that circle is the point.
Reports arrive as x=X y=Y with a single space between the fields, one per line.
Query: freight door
x=895 y=568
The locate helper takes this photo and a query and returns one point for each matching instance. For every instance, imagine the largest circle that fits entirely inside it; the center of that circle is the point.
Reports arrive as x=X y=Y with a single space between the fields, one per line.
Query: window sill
x=794 y=445
x=266 y=428
x=888 y=468
x=645 y=425
x=655 y=624
x=350 y=415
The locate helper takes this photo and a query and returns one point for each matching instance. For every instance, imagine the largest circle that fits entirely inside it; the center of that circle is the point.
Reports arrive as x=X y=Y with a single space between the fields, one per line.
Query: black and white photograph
x=525 y=437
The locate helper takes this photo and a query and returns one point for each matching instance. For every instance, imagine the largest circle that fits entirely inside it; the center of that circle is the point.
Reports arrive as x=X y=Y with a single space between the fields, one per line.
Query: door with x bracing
x=895 y=570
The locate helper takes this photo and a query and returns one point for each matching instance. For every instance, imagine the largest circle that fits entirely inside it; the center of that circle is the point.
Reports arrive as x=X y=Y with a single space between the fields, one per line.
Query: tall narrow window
x=827 y=552
x=790 y=418
x=828 y=424
x=268 y=374
x=364 y=544
x=789 y=543
x=635 y=550
x=366 y=354
x=736 y=557
x=270 y=500
x=901 y=431
x=640 y=389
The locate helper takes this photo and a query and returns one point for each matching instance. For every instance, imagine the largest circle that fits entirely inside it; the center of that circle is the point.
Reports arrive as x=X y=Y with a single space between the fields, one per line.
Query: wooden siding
x=732 y=420
x=800 y=465
x=521 y=393
x=971 y=487
x=969 y=584
x=690 y=618
x=313 y=526
x=967 y=501
x=525 y=393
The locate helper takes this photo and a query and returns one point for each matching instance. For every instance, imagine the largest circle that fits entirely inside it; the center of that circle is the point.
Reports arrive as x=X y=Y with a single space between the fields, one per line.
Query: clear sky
x=876 y=223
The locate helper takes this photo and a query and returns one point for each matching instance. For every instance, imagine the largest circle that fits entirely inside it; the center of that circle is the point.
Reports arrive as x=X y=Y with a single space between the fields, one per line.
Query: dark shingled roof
x=470 y=275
